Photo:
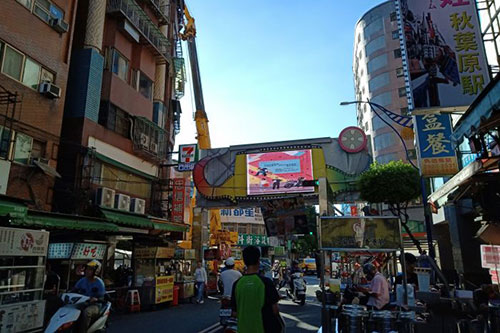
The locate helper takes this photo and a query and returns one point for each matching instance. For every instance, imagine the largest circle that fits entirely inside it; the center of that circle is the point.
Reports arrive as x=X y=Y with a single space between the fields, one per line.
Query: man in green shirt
x=254 y=299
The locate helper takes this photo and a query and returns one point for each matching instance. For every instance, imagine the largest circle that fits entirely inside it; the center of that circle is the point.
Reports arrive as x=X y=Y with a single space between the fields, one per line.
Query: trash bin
x=175 y=300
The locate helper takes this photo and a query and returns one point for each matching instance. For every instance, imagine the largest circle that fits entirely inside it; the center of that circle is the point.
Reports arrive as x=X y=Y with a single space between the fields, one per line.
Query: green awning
x=62 y=221
x=13 y=209
x=170 y=227
x=122 y=166
x=127 y=219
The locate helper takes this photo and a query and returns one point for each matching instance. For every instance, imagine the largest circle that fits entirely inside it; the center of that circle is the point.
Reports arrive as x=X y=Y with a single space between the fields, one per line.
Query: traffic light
x=313 y=182
x=310 y=233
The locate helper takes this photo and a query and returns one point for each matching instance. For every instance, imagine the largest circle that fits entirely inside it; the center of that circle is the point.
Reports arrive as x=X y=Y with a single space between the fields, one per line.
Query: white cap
x=230 y=261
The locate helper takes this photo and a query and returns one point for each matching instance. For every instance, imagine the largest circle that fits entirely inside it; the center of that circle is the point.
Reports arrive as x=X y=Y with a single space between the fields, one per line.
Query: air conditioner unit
x=50 y=90
x=122 y=202
x=154 y=147
x=144 y=141
x=59 y=25
x=137 y=205
x=105 y=197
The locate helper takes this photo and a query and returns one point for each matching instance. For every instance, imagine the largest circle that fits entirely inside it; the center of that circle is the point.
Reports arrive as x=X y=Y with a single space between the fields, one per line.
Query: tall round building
x=379 y=77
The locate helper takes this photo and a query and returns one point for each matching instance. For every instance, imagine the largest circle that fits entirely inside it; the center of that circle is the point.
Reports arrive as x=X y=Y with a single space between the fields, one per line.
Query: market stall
x=184 y=265
x=154 y=274
x=22 y=270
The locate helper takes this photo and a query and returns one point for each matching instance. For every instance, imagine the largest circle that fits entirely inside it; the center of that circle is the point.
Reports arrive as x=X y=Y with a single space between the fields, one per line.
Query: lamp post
x=428 y=223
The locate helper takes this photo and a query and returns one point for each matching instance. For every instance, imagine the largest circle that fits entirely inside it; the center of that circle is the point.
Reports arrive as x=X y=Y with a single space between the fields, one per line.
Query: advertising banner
x=377 y=233
x=255 y=240
x=437 y=156
x=445 y=54
x=179 y=189
x=241 y=215
x=164 y=288
x=23 y=242
x=279 y=172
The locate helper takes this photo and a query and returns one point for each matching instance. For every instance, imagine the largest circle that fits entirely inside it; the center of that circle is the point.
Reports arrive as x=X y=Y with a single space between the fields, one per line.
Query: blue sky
x=273 y=70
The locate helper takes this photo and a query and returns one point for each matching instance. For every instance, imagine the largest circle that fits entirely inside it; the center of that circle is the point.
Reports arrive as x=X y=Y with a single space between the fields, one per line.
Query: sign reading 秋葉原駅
x=437 y=155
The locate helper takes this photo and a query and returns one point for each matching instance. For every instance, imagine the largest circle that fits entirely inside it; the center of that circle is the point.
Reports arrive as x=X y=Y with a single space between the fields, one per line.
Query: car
x=308 y=265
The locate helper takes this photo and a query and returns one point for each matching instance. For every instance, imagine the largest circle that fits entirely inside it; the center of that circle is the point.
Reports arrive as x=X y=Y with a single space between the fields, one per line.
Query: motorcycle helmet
x=96 y=265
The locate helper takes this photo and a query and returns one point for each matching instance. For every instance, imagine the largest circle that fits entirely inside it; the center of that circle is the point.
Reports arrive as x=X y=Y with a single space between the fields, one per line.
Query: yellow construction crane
x=200 y=117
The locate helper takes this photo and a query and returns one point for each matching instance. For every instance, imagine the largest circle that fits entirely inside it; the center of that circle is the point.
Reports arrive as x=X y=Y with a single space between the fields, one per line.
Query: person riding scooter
x=92 y=286
x=294 y=269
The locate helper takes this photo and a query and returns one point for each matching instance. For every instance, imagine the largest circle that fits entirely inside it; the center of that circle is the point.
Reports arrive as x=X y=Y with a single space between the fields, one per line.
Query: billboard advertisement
x=445 y=55
x=377 y=233
x=437 y=156
x=279 y=172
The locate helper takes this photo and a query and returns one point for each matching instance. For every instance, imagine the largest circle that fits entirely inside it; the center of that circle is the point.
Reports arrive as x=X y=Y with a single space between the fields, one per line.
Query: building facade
x=35 y=50
x=122 y=110
x=379 y=77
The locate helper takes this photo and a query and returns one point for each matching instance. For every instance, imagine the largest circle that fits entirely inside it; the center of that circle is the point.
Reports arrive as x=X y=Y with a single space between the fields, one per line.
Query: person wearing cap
x=379 y=288
x=229 y=276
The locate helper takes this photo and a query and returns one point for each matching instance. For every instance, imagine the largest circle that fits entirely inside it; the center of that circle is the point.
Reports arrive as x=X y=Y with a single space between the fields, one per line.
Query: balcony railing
x=179 y=78
x=150 y=33
x=161 y=9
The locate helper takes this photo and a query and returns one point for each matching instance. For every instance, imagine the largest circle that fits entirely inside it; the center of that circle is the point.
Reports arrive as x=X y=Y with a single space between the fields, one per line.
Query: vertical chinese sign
x=446 y=62
x=437 y=156
x=179 y=189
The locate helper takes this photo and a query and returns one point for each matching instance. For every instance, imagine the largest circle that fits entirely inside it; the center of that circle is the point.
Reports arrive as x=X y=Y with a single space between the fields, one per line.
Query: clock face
x=352 y=139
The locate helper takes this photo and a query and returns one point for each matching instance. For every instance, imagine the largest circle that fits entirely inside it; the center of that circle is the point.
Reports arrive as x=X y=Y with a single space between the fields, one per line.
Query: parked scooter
x=299 y=288
x=226 y=312
x=66 y=317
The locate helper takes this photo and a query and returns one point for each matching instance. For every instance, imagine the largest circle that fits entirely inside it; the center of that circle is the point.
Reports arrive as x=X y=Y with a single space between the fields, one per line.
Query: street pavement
x=204 y=318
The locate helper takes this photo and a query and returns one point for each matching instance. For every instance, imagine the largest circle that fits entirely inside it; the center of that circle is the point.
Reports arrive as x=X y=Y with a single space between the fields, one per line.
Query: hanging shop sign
x=88 y=251
x=23 y=242
x=60 y=250
x=255 y=240
x=279 y=172
x=164 y=288
x=377 y=233
x=490 y=256
x=445 y=54
x=178 y=197
x=188 y=156
x=222 y=236
x=437 y=156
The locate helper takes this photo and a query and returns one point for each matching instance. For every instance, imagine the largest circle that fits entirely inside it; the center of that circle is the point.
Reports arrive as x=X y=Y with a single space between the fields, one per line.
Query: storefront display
x=155 y=274
x=22 y=272
x=184 y=265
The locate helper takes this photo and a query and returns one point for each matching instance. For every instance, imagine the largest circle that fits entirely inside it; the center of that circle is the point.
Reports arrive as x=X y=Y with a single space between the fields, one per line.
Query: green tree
x=395 y=184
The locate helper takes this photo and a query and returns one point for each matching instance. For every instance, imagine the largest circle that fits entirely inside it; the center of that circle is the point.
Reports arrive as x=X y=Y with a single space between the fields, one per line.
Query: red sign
x=490 y=256
x=354 y=210
x=178 y=194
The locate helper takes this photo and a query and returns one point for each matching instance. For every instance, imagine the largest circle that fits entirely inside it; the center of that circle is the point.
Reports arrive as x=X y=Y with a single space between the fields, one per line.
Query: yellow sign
x=165 y=252
x=154 y=252
x=164 y=288
x=228 y=237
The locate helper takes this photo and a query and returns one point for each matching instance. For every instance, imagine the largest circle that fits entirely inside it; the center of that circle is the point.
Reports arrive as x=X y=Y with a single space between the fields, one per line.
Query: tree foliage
x=393 y=183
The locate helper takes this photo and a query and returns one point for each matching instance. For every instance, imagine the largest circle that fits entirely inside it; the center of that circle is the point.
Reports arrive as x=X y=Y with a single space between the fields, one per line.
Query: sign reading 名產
x=360 y=233
x=188 y=156
x=23 y=242
x=241 y=215
x=255 y=240
x=436 y=152
x=445 y=54
x=178 y=197
x=88 y=251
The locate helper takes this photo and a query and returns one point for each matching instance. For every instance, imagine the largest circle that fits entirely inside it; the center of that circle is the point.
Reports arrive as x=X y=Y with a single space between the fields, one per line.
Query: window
x=394 y=16
x=114 y=119
x=383 y=141
x=42 y=10
x=31 y=75
x=373 y=28
x=404 y=111
x=379 y=81
x=46 y=76
x=377 y=63
x=13 y=63
x=145 y=86
x=256 y=229
x=26 y=3
x=376 y=44
x=38 y=149
x=402 y=92
x=5 y=138
x=377 y=123
x=383 y=99
x=120 y=66
x=400 y=72
x=386 y=158
x=395 y=34
x=22 y=149
x=397 y=53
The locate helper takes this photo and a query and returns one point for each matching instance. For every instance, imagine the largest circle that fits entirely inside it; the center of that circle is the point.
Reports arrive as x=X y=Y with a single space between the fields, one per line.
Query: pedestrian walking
x=254 y=299
x=200 y=275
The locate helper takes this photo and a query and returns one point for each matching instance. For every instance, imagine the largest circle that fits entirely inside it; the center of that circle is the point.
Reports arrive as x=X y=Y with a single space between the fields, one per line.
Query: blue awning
x=479 y=111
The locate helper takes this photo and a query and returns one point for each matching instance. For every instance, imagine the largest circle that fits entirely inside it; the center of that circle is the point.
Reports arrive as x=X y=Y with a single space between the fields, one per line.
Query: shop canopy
x=37 y=219
x=165 y=225
x=12 y=208
x=126 y=218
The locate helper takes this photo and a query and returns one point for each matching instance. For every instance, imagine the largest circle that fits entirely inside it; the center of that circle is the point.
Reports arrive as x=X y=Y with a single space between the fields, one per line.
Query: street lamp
x=422 y=181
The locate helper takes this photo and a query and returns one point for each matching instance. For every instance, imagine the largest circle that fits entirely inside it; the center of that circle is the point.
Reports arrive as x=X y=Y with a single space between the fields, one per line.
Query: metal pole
x=428 y=219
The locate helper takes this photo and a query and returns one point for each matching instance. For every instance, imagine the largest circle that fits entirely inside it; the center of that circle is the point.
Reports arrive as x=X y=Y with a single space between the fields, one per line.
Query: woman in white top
x=200 y=276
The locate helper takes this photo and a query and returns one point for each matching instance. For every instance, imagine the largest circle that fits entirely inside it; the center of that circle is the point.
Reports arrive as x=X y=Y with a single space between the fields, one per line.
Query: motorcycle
x=299 y=289
x=225 y=312
x=66 y=317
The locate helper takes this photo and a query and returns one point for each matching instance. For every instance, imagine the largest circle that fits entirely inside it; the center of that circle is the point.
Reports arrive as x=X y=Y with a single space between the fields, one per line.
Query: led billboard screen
x=279 y=172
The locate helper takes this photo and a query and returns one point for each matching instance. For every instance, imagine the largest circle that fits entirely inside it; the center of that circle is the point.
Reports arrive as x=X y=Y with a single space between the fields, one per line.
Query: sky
x=273 y=70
